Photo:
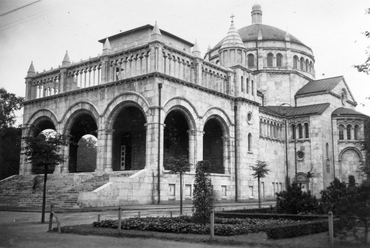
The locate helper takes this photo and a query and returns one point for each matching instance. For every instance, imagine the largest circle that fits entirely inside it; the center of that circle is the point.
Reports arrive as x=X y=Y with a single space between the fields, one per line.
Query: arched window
x=341 y=132
x=311 y=67
x=270 y=59
x=250 y=60
x=242 y=84
x=261 y=127
x=327 y=151
x=307 y=65
x=306 y=131
x=252 y=88
x=344 y=96
x=300 y=131
x=249 y=142
x=356 y=132
x=302 y=64
x=279 y=60
x=247 y=85
x=295 y=62
x=292 y=130
x=349 y=132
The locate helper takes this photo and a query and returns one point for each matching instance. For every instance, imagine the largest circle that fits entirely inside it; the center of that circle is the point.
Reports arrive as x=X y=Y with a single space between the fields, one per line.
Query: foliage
x=203 y=193
x=365 y=167
x=178 y=164
x=365 y=67
x=295 y=201
x=44 y=150
x=351 y=204
x=295 y=230
x=184 y=224
x=260 y=170
x=9 y=103
x=10 y=148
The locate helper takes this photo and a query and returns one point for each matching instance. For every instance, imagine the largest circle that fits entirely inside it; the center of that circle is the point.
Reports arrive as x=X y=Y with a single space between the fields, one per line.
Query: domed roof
x=259 y=31
x=232 y=38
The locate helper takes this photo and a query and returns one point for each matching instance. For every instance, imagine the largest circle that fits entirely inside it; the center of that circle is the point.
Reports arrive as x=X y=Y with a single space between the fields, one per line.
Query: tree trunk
x=180 y=193
x=44 y=195
x=259 y=193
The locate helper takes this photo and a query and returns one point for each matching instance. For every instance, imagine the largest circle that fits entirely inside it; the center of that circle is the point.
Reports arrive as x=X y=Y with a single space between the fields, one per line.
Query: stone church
x=152 y=95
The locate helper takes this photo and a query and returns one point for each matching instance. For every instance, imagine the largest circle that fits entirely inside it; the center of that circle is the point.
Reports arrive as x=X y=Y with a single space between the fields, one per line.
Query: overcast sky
x=42 y=31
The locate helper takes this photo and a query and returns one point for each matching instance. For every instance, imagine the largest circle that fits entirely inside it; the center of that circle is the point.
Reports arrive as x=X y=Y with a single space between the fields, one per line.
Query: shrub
x=295 y=201
x=290 y=231
x=203 y=193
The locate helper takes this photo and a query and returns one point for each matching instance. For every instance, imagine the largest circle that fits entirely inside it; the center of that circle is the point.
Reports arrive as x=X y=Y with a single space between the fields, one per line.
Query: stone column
x=24 y=167
x=192 y=150
x=109 y=149
x=199 y=146
x=226 y=154
x=100 y=153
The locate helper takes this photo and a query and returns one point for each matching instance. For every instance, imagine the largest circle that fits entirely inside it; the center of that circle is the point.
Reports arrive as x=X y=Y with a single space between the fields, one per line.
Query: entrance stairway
x=62 y=189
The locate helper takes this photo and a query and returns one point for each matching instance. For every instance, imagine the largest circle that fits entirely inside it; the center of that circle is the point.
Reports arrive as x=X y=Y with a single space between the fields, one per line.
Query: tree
x=365 y=67
x=260 y=170
x=203 y=193
x=9 y=103
x=44 y=151
x=10 y=136
x=365 y=167
x=179 y=166
x=295 y=201
x=351 y=204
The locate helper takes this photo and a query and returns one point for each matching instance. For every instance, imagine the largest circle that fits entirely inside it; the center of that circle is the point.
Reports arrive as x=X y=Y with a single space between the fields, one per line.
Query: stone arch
x=350 y=148
x=77 y=108
x=39 y=116
x=215 y=112
x=185 y=106
x=124 y=100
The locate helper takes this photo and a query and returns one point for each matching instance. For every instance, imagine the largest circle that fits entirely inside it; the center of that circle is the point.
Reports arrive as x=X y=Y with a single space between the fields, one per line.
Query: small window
x=341 y=132
x=295 y=62
x=249 y=142
x=293 y=131
x=247 y=85
x=327 y=151
x=349 y=132
x=252 y=88
x=242 y=83
x=270 y=58
x=306 y=131
x=300 y=131
x=249 y=117
x=302 y=64
x=250 y=60
x=307 y=65
x=279 y=60
x=344 y=96
x=356 y=133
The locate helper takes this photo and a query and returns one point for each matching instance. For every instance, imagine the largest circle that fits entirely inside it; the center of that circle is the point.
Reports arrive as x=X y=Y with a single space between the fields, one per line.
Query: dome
x=256 y=7
x=232 y=38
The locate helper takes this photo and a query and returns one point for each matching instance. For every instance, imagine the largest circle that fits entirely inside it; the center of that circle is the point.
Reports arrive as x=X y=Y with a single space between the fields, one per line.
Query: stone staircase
x=62 y=190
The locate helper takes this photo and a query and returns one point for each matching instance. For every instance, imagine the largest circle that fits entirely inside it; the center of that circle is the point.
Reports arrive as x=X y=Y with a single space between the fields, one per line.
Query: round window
x=300 y=154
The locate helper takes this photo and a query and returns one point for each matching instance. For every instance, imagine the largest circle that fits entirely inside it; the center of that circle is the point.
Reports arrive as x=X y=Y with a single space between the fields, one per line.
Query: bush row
x=223 y=227
x=290 y=231
x=242 y=215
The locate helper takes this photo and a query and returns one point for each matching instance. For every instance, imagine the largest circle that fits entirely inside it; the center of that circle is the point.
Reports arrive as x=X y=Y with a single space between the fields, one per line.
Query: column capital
x=109 y=131
x=192 y=132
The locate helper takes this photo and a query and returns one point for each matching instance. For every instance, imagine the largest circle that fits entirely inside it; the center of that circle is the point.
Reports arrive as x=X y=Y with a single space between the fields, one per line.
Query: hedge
x=241 y=215
x=290 y=231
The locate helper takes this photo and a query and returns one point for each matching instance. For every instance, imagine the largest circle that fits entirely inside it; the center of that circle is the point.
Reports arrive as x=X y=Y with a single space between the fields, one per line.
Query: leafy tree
x=203 y=193
x=179 y=166
x=295 y=201
x=9 y=103
x=351 y=204
x=44 y=151
x=260 y=170
x=365 y=67
x=10 y=137
x=365 y=167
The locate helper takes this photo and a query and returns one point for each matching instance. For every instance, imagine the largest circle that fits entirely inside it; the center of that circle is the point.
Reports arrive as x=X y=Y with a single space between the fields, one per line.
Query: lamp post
x=286 y=145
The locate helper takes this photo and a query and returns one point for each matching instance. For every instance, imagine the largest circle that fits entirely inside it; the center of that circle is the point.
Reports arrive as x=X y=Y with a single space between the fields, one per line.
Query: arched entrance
x=176 y=136
x=86 y=153
x=129 y=140
x=213 y=145
x=82 y=125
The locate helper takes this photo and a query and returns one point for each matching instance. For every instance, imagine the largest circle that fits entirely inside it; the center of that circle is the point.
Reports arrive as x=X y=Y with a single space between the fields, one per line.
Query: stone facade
x=151 y=95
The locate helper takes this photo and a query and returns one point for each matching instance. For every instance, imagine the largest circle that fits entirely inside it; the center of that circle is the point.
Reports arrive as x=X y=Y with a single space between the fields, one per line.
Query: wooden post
x=171 y=214
x=51 y=217
x=98 y=217
x=331 y=229
x=139 y=215
x=212 y=227
x=119 y=220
